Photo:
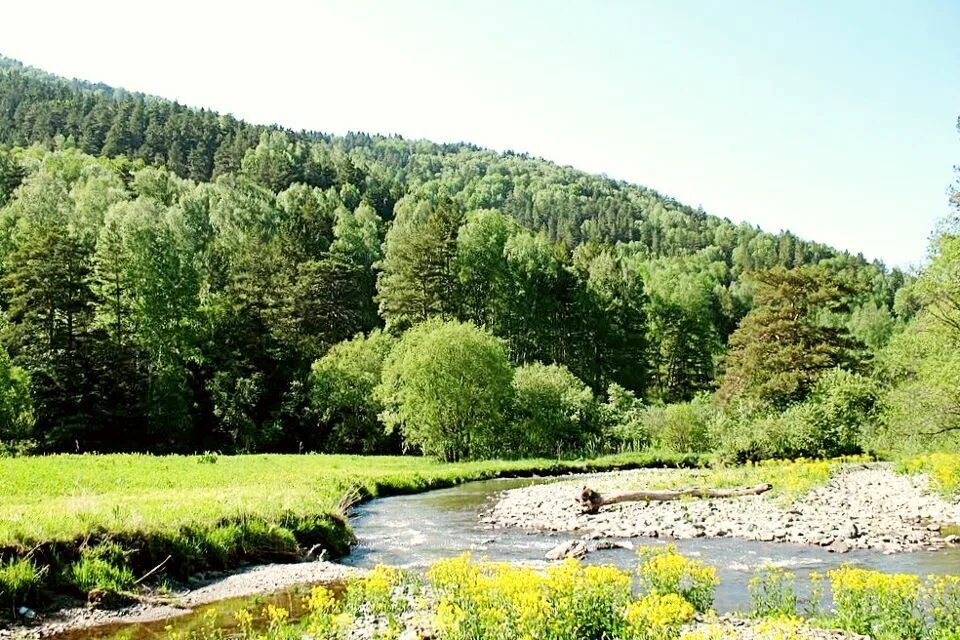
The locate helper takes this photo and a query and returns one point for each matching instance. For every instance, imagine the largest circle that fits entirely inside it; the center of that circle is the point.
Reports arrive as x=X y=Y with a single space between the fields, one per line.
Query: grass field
x=79 y=520
x=62 y=498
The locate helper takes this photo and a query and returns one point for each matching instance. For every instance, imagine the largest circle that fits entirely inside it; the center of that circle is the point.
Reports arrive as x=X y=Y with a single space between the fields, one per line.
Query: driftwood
x=591 y=501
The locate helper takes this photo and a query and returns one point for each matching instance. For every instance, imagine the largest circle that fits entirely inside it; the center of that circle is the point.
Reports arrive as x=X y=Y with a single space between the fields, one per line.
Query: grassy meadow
x=84 y=522
x=68 y=497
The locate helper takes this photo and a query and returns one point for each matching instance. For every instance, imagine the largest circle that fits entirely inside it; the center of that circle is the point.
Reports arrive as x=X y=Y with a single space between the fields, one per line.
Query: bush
x=828 y=424
x=772 y=593
x=663 y=571
x=683 y=427
x=104 y=567
x=447 y=386
x=342 y=385
x=884 y=606
x=553 y=411
x=16 y=406
x=622 y=420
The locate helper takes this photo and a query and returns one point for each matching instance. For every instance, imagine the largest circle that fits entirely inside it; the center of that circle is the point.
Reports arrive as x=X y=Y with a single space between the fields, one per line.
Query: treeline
x=154 y=302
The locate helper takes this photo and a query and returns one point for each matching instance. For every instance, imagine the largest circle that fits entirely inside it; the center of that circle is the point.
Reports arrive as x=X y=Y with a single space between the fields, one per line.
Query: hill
x=170 y=274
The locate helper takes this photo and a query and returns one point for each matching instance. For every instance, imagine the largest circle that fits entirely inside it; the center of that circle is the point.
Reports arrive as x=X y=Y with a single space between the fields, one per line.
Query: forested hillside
x=178 y=280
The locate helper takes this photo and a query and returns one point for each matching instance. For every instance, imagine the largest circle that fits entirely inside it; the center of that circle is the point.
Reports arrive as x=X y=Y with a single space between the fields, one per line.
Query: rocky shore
x=863 y=506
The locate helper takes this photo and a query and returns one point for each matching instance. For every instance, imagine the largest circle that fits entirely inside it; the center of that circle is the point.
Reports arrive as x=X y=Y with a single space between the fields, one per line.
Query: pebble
x=861 y=507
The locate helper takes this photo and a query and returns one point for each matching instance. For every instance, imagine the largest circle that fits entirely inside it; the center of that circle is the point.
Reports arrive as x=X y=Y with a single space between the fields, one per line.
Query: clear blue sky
x=836 y=120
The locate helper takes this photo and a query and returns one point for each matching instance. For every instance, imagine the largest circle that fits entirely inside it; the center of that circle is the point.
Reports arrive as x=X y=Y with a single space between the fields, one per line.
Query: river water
x=412 y=531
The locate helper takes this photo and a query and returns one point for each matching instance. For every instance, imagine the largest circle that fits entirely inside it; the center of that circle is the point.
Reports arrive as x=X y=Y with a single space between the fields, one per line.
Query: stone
x=838 y=546
x=572 y=549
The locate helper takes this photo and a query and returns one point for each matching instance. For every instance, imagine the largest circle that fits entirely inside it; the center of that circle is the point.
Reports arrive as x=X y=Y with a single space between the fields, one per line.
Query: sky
x=835 y=120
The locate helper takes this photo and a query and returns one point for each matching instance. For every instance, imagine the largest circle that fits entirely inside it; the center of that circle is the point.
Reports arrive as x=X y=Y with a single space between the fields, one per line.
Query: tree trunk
x=591 y=501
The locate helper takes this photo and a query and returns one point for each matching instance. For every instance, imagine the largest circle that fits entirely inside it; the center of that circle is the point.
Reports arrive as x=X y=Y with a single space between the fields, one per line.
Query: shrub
x=16 y=406
x=663 y=571
x=827 y=424
x=683 y=427
x=341 y=391
x=772 y=593
x=622 y=420
x=553 y=411
x=884 y=606
x=657 y=617
x=446 y=386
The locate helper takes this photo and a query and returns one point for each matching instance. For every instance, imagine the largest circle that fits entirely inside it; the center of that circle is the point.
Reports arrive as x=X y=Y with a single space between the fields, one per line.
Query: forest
x=177 y=280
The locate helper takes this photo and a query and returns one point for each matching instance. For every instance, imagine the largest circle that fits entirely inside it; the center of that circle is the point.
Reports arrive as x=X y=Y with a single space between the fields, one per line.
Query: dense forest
x=173 y=279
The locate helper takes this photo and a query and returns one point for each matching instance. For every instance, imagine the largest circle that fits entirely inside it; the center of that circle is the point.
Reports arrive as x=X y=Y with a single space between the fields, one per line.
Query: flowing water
x=412 y=531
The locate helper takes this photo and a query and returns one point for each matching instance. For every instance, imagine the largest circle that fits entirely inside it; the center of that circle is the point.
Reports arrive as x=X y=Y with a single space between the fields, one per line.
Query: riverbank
x=860 y=506
x=209 y=589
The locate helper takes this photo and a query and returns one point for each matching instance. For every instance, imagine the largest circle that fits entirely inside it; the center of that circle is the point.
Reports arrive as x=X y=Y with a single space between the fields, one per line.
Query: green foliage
x=787 y=341
x=682 y=328
x=831 y=422
x=921 y=366
x=173 y=293
x=683 y=427
x=772 y=593
x=553 y=411
x=447 y=387
x=873 y=325
x=418 y=281
x=18 y=578
x=16 y=406
x=622 y=417
x=342 y=385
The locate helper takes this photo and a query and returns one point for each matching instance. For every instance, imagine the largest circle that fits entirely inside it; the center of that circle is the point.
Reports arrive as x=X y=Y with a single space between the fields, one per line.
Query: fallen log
x=591 y=501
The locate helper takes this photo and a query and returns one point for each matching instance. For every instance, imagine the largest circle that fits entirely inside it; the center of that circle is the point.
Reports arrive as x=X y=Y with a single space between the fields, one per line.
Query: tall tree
x=418 y=279
x=785 y=344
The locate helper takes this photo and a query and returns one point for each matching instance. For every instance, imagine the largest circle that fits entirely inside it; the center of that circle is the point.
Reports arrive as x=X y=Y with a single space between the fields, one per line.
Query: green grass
x=18 y=576
x=213 y=511
x=791 y=479
x=65 y=497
